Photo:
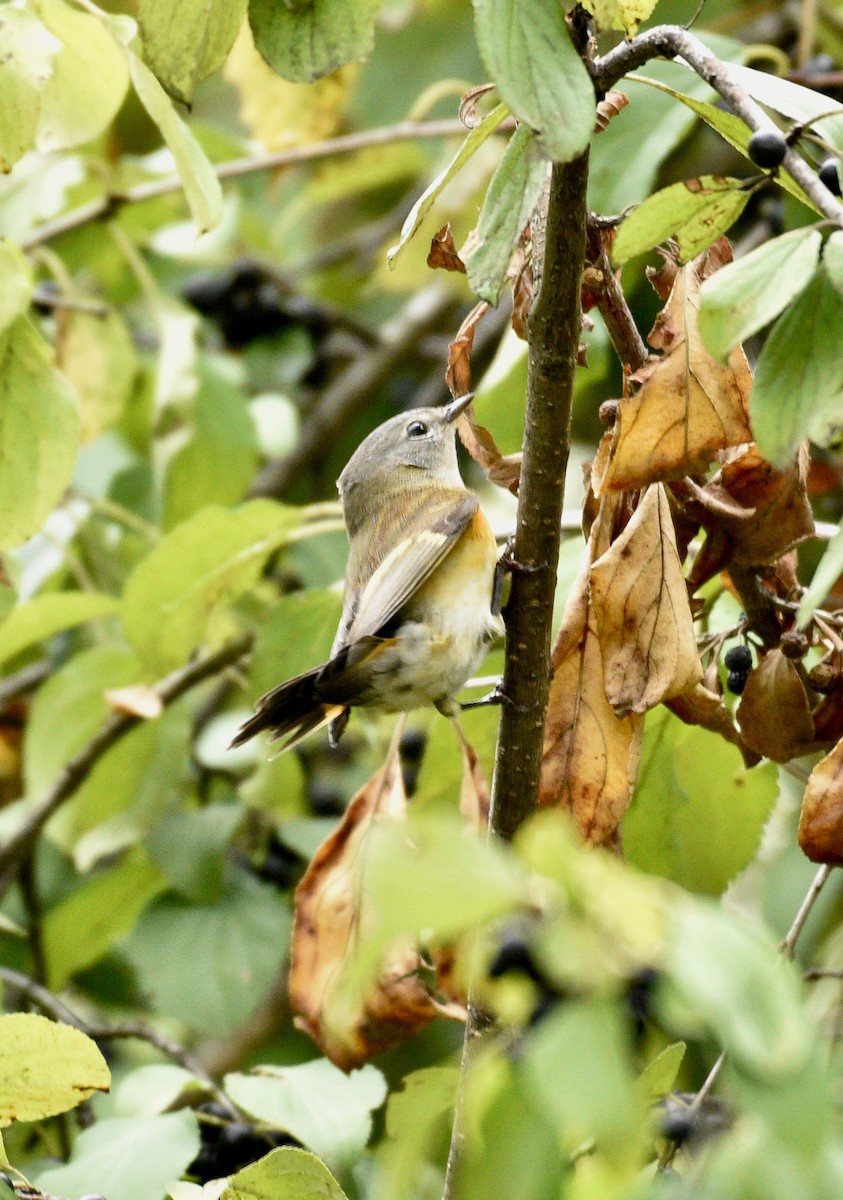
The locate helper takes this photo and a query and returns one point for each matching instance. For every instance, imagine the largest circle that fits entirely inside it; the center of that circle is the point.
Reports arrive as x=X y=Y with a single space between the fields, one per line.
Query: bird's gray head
x=418 y=446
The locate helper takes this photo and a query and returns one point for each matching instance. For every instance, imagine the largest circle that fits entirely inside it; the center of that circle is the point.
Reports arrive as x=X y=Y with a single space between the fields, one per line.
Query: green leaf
x=620 y=14
x=284 y=1174
x=415 y=1119
x=829 y=569
x=798 y=388
x=731 y=128
x=203 y=563
x=577 y=1066
x=15 y=275
x=189 y=848
x=746 y=295
x=472 y=143
x=185 y=42
x=440 y=776
x=724 y=976
x=679 y=825
x=81 y=929
x=833 y=259
x=527 y=51
x=327 y=1110
x=26 y=52
x=234 y=946
x=88 y=82
x=129 y=1158
x=303 y=41
x=659 y=1076
x=512 y=195
x=150 y=1090
x=201 y=187
x=46 y=1068
x=98 y=356
x=217 y=465
x=39 y=618
x=296 y=635
x=130 y=786
x=39 y=433
x=696 y=212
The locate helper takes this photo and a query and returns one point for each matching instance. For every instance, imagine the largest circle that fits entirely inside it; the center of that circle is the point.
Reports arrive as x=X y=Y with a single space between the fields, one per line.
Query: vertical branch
x=554 y=334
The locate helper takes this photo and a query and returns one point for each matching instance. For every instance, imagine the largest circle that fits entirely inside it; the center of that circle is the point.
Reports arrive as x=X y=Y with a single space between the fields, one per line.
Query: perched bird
x=421 y=599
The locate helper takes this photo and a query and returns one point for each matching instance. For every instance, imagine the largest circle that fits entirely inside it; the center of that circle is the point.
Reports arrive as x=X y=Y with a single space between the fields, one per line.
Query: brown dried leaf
x=468 y=113
x=331 y=922
x=458 y=373
x=443 y=252
x=821 y=821
x=774 y=715
x=689 y=405
x=590 y=756
x=608 y=108
x=642 y=612
x=783 y=515
x=504 y=470
x=136 y=700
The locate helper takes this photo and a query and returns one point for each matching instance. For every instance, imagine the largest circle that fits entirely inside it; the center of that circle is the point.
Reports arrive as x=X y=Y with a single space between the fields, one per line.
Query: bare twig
x=670 y=41
x=611 y=303
x=354 y=388
x=116 y=726
x=25 y=680
x=58 y=1010
x=788 y=945
x=106 y=206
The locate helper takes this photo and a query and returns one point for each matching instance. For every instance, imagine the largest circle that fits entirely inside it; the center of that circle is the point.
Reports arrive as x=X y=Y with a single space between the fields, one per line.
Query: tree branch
x=554 y=332
x=611 y=303
x=116 y=726
x=671 y=41
x=106 y=206
x=58 y=1010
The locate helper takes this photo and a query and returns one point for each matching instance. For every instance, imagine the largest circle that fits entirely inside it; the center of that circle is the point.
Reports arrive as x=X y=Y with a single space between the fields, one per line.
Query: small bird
x=422 y=585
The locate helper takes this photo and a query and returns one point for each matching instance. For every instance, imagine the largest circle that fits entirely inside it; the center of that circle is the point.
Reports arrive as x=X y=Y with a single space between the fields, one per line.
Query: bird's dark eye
x=417 y=429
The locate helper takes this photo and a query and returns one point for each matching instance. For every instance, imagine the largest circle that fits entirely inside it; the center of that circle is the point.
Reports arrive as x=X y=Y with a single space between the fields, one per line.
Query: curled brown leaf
x=774 y=714
x=642 y=612
x=330 y=923
x=443 y=252
x=821 y=820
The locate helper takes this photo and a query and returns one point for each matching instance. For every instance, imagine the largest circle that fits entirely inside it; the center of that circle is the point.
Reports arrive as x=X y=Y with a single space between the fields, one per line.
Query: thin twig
x=354 y=388
x=44 y=999
x=106 y=206
x=24 y=680
x=788 y=944
x=116 y=726
x=670 y=41
x=611 y=303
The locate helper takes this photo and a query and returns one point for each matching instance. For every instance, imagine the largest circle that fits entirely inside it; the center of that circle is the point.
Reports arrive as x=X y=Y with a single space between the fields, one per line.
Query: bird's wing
x=413 y=560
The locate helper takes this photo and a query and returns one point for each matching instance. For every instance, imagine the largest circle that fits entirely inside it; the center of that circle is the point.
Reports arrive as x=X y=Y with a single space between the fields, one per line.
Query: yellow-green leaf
x=695 y=212
x=46 y=1068
x=186 y=42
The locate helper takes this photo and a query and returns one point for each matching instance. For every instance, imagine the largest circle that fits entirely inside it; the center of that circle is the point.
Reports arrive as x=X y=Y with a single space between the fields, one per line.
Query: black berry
x=736 y=682
x=767 y=148
x=739 y=658
x=514 y=954
x=830 y=176
x=639 y=997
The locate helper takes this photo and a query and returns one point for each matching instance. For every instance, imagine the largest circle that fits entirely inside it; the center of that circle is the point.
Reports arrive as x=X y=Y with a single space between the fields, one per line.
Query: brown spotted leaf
x=821 y=821
x=782 y=514
x=689 y=405
x=590 y=756
x=443 y=252
x=330 y=924
x=642 y=612
x=774 y=715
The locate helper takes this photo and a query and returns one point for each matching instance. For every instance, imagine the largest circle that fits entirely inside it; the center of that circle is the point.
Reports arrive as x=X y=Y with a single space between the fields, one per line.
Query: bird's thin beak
x=452 y=411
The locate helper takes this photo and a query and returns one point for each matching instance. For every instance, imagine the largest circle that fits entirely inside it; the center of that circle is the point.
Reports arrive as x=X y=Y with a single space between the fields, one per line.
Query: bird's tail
x=290 y=711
